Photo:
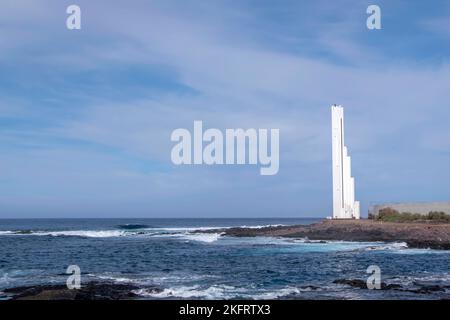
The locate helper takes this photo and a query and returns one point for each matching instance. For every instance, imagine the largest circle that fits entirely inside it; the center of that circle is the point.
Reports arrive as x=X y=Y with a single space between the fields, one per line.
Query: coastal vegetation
x=392 y=215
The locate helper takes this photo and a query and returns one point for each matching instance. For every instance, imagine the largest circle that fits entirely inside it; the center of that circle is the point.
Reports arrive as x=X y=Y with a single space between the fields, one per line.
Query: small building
x=412 y=207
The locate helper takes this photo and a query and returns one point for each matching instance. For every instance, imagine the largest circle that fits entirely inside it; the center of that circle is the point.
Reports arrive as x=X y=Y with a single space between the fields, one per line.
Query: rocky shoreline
x=415 y=234
x=97 y=290
x=94 y=290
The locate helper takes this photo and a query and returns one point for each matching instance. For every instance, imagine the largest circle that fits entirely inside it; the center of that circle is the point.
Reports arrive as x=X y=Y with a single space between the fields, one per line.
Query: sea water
x=184 y=264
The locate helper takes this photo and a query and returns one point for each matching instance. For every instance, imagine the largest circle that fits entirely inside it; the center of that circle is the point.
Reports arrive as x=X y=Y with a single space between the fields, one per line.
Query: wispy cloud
x=88 y=115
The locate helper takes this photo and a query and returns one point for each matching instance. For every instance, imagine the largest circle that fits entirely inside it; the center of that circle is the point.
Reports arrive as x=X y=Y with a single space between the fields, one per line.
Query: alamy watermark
x=74 y=280
x=374 y=20
x=374 y=280
x=235 y=147
x=73 y=21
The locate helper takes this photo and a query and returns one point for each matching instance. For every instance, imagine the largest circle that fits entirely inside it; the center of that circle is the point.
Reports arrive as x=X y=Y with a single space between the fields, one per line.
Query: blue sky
x=86 y=116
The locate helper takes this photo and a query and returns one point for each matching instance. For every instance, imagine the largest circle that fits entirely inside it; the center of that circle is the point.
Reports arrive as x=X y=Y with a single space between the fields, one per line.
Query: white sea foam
x=262 y=226
x=283 y=292
x=109 y=276
x=191 y=229
x=86 y=233
x=219 y=292
x=180 y=229
x=305 y=245
x=445 y=277
x=203 y=237
x=74 y=233
x=182 y=233
x=153 y=278
x=189 y=292
x=189 y=234
x=5 y=278
x=290 y=244
x=387 y=246
x=141 y=279
x=426 y=278
x=18 y=277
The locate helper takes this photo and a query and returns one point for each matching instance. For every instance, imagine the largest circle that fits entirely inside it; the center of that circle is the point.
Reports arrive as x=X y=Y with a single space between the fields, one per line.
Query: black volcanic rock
x=91 y=291
x=355 y=283
x=416 y=235
x=418 y=288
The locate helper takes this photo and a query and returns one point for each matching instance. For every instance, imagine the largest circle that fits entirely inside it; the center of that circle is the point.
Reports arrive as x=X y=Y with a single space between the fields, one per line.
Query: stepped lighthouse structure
x=344 y=204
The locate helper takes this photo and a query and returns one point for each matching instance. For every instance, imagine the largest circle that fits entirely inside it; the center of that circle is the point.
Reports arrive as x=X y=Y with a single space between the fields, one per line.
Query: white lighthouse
x=344 y=204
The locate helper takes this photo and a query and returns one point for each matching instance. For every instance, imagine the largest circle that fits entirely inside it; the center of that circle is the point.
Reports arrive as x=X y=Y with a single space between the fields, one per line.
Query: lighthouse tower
x=344 y=204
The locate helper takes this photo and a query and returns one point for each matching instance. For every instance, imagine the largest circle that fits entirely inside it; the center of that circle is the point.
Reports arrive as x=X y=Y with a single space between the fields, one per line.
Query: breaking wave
x=73 y=233
x=203 y=237
x=187 y=234
x=263 y=226
x=190 y=236
x=196 y=234
x=189 y=292
x=88 y=234
x=216 y=292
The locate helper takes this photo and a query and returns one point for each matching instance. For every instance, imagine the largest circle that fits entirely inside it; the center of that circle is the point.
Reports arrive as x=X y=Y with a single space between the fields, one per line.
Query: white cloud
x=238 y=80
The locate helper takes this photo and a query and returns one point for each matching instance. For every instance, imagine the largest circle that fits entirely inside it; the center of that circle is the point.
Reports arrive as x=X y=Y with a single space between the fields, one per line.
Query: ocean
x=164 y=253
